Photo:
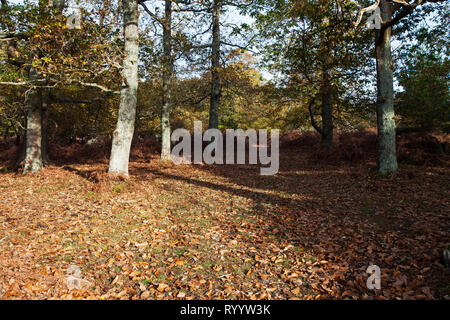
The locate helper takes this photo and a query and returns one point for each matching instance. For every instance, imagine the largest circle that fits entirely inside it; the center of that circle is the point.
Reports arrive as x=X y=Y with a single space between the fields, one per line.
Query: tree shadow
x=343 y=214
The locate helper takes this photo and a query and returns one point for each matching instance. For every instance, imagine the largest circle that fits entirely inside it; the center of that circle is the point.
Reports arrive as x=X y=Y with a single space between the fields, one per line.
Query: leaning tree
x=123 y=134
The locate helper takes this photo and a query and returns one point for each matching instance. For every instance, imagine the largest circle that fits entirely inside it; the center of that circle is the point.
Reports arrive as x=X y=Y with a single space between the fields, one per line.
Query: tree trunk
x=33 y=151
x=167 y=81
x=23 y=147
x=215 y=67
x=35 y=138
x=18 y=139
x=327 y=112
x=44 y=143
x=123 y=134
x=387 y=158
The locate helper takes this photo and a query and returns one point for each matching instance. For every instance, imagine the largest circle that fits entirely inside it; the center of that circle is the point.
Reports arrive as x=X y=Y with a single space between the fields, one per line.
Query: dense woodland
x=90 y=92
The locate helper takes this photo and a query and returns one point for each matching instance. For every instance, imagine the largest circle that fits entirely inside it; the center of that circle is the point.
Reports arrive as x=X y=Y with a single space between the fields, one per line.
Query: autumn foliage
x=225 y=232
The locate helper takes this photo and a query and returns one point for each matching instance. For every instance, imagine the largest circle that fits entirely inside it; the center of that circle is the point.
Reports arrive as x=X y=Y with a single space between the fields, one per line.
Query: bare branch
x=151 y=14
x=22 y=83
x=237 y=46
x=5 y=36
x=94 y=85
x=364 y=10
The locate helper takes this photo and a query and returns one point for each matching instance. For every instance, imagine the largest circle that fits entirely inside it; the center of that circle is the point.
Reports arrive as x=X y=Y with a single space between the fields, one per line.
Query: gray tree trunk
x=123 y=134
x=33 y=147
x=327 y=112
x=215 y=67
x=387 y=157
x=167 y=81
x=44 y=135
x=35 y=138
x=23 y=147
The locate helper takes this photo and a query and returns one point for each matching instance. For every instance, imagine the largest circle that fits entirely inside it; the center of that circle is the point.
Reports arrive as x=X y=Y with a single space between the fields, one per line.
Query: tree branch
x=311 y=114
x=364 y=10
x=5 y=36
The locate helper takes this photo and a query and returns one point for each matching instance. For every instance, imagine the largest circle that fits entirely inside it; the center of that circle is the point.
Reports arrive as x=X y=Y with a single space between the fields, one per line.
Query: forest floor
x=225 y=232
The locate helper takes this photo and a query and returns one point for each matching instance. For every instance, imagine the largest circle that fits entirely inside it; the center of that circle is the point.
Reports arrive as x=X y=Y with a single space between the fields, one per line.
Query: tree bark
x=167 y=81
x=327 y=112
x=33 y=151
x=123 y=134
x=23 y=146
x=387 y=158
x=44 y=130
x=215 y=67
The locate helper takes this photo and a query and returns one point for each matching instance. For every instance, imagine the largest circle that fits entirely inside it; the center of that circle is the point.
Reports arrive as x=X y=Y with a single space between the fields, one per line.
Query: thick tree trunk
x=23 y=147
x=167 y=82
x=387 y=158
x=35 y=139
x=123 y=135
x=33 y=151
x=327 y=112
x=215 y=67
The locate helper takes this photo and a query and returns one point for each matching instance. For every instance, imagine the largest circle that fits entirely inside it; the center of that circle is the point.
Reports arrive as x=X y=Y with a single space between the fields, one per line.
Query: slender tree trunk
x=18 y=138
x=167 y=81
x=387 y=158
x=44 y=144
x=33 y=151
x=6 y=133
x=123 y=134
x=327 y=112
x=215 y=67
